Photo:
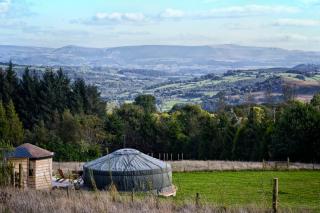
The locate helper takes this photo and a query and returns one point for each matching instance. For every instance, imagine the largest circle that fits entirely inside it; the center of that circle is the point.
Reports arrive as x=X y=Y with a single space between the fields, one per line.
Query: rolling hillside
x=184 y=59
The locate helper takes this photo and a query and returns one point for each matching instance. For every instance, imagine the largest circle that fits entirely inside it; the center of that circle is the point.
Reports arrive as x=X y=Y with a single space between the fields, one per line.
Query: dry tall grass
x=63 y=201
x=197 y=165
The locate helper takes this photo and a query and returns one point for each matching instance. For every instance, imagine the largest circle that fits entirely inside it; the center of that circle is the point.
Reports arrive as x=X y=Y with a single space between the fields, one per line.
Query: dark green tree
x=147 y=102
x=4 y=124
x=28 y=99
x=248 y=141
x=9 y=84
x=315 y=101
x=16 y=131
x=296 y=134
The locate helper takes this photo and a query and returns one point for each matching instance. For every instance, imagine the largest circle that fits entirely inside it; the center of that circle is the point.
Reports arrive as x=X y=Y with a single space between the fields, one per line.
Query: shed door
x=31 y=168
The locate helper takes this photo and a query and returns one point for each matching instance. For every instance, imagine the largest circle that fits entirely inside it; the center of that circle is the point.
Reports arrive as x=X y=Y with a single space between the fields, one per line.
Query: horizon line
x=170 y=45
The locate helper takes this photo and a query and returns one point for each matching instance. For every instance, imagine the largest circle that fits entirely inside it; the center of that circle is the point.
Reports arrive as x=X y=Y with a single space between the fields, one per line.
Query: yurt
x=128 y=170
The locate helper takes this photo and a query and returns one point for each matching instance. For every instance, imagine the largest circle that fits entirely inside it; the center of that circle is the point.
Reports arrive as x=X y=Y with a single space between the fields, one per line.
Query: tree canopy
x=69 y=117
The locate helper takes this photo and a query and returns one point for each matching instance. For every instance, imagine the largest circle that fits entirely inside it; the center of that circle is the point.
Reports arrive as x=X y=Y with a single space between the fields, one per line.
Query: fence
x=9 y=176
x=196 y=165
x=168 y=156
x=275 y=197
x=261 y=191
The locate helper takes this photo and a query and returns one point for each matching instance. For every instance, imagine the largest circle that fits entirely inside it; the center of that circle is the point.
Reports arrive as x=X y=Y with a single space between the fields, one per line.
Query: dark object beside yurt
x=128 y=170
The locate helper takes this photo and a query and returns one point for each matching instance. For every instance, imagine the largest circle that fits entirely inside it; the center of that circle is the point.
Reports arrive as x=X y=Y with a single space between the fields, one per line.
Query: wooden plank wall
x=24 y=163
x=43 y=173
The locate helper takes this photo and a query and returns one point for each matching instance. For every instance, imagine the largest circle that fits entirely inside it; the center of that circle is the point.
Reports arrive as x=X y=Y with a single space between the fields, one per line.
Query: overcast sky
x=291 y=24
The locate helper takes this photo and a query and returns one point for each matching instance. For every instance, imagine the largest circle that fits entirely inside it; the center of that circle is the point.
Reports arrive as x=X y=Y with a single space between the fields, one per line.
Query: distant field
x=297 y=189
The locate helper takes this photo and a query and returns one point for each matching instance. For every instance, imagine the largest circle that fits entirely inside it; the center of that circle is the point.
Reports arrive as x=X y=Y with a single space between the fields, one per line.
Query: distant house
x=36 y=165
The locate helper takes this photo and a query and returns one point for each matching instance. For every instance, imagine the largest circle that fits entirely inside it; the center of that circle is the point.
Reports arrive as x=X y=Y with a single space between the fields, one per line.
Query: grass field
x=297 y=189
x=239 y=188
x=220 y=191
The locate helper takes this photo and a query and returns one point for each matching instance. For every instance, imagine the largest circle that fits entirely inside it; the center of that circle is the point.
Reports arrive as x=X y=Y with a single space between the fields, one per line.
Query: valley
x=233 y=87
x=205 y=75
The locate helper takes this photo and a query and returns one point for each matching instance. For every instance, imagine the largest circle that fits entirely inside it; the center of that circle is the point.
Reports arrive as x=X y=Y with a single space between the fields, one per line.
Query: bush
x=5 y=167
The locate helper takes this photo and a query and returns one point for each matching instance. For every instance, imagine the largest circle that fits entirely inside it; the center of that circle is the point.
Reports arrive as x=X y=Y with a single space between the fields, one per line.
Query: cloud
x=285 y=38
x=12 y=24
x=120 y=17
x=243 y=11
x=310 y=2
x=4 y=5
x=172 y=13
x=13 y=9
x=135 y=17
x=210 y=1
x=102 y=18
x=297 y=22
x=229 y=12
x=248 y=10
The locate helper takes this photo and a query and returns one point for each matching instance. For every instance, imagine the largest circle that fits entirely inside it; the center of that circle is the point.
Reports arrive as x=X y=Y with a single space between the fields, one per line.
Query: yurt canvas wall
x=128 y=169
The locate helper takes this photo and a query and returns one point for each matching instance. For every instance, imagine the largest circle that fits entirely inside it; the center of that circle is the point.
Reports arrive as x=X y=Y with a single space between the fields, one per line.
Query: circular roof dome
x=129 y=161
x=126 y=152
x=128 y=169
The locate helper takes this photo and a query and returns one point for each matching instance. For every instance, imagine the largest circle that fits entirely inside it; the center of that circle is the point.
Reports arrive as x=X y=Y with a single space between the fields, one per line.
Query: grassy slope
x=297 y=189
x=168 y=102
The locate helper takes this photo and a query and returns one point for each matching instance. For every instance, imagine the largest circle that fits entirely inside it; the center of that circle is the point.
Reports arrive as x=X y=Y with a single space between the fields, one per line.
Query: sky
x=289 y=24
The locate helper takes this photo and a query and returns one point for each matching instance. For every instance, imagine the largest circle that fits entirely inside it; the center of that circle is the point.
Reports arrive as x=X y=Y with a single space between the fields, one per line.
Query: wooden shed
x=36 y=165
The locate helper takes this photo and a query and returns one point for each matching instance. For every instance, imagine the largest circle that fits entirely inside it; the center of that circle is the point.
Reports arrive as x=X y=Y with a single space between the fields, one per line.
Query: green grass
x=316 y=77
x=297 y=189
x=167 y=105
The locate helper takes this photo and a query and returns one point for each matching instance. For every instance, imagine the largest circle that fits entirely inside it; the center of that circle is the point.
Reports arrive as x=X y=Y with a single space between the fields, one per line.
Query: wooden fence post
x=132 y=195
x=171 y=156
x=197 y=199
x=275 y=195
x=68 y=193
x=20 y=176
x=13 y=178
x=178 y=157
x=288 y=163
x=263 y=164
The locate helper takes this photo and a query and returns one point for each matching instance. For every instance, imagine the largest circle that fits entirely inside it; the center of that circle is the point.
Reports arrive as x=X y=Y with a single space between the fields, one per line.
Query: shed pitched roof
x=28 y=150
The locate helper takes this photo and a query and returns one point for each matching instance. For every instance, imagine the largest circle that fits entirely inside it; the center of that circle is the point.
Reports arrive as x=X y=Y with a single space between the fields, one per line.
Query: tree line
x=52 y=111
x=70 y=118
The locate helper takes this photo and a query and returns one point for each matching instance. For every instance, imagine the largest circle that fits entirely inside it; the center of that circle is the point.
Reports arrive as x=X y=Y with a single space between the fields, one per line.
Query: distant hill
x=307 y=67
x=187 y=59
x=261 y=85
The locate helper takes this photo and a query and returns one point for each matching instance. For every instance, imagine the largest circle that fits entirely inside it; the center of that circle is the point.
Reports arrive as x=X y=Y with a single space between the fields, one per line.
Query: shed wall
x=24 y=163
x=43 y=173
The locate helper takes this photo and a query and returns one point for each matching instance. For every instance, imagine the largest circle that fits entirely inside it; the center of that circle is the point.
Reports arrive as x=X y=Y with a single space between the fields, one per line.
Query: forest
x=70 y=118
